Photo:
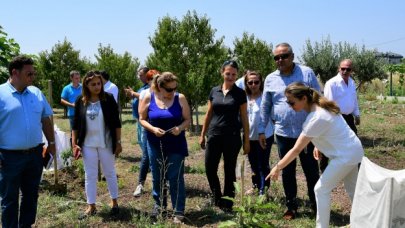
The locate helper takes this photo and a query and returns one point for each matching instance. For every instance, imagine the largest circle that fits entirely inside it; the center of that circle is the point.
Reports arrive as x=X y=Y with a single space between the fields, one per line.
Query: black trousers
x=309 y=165
x=228 y=146
x=323 y=163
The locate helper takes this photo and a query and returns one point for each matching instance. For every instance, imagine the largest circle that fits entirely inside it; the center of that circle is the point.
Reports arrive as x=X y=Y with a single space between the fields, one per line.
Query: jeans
x=19 y=171
x=167 y=167
x=334 y=173
x=259 y=163
x=91 y=156
x=309 y=165
x=229 y=146
x=144 y=166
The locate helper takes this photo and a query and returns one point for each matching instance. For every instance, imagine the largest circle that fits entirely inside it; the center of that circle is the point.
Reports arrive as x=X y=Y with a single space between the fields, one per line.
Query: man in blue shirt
x=70 y=94
x=288 y=123
x=24 y=115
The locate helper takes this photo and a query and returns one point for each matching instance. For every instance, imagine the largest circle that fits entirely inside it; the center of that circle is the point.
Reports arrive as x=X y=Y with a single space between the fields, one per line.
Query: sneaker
x=178 y=219
x=289 y=215
x=138 y=191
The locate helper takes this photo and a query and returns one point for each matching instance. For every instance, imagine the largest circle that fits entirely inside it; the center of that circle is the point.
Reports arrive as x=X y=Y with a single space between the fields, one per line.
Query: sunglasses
x=282 y=56
x=345 y=69
x=291 y=103
x=169 y=90
x=253 y=82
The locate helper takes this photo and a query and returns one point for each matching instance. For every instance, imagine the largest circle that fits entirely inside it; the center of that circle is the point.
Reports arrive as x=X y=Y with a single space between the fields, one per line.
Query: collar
x=14 y=90
x=219 y=88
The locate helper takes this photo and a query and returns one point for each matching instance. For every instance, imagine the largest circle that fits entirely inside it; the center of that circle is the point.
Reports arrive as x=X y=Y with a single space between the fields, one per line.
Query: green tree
x=321 y=57
x=56 y=66
x=8 y=49
x=121 y=68
x=253 y=54
x=188 y=49
x=367 y=67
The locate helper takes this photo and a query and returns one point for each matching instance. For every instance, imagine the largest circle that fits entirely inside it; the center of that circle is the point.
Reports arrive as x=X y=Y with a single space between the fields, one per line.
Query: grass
x=382 y=133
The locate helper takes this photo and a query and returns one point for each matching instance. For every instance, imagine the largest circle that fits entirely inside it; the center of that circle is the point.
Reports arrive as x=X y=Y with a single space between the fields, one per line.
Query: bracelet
x=51 y=143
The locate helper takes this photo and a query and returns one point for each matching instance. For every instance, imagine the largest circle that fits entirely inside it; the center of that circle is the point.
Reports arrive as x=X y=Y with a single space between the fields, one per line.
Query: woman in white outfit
x=329 y=132
x=97 y=135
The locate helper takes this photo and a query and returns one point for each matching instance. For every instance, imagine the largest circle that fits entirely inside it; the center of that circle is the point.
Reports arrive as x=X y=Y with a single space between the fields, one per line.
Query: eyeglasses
x=346 y=69
x=257 y=82
x=169 y=90
x=281 y=56
x=291 y=103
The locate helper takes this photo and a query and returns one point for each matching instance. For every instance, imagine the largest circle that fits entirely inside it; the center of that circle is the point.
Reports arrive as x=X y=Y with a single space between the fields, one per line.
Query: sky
x=126 y=25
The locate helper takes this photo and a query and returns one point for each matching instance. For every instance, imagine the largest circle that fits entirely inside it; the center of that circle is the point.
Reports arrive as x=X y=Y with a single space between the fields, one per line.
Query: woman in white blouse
x=329 y=132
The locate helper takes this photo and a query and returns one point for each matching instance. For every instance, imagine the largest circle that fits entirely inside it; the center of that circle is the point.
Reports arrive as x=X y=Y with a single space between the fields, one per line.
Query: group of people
x=286 y=107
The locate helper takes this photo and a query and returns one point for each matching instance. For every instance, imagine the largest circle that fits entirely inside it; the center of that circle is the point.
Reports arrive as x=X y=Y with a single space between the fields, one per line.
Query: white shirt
x=343 y=94
x=331 y=135
x=111 y=88
x=240 y=83
x=253 y=110
x=96 y=133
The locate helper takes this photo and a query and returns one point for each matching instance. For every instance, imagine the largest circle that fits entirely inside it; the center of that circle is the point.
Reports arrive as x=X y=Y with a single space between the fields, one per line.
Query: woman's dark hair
x=300 y=90
x=247 y=89
x=162 y=79
x=85 y=91
x=231 y=63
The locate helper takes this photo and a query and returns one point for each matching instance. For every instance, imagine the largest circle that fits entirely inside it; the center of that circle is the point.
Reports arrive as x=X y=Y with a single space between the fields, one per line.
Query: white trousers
x=91 y=156
x=334 y=173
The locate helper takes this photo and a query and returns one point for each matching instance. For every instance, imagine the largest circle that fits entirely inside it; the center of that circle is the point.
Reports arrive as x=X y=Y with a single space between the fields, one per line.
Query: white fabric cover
x=379 y=199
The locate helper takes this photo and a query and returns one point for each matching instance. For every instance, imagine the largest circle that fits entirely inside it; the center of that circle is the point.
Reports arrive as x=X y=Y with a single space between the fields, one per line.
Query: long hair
x=299 y=90
x=247 y=89
x=162 y=79
x=86 y=92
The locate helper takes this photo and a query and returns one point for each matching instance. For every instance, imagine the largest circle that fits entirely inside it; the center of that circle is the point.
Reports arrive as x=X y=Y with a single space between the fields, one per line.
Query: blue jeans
x=167 y=167
x=309 y=165
x=19 y=171
x=144 y=166
x=259 y=162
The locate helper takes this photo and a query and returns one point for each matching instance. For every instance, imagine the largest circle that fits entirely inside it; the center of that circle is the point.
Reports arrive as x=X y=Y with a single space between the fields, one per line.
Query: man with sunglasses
x=24 y=115
x=342 y=90
x=288 y=123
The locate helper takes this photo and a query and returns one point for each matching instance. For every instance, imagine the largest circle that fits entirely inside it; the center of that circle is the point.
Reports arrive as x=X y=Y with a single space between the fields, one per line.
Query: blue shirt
x=20 y=117
x=274 y=107
x=135 y=102
x=70 y=94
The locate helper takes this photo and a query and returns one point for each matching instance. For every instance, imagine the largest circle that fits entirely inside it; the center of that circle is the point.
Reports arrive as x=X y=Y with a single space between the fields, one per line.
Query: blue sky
x=126 y=25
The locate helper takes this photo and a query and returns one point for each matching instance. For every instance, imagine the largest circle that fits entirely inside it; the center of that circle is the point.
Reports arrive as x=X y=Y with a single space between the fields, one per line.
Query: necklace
x=93 y=110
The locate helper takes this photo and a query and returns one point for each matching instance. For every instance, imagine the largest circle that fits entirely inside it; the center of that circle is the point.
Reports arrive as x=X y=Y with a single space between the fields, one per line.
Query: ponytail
x=299 y=90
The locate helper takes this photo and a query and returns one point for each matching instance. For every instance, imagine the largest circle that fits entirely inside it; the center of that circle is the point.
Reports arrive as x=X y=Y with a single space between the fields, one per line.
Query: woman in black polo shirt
x=225 y=116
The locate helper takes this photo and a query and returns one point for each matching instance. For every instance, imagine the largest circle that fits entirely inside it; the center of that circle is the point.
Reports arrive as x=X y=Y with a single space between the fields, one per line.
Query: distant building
x=389 y=57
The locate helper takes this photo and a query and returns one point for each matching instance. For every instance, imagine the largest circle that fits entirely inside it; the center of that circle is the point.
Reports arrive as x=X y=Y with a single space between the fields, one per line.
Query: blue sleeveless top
x=166 y=119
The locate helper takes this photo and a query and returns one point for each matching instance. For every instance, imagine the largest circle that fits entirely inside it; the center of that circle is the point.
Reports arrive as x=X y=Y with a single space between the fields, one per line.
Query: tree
x=367 y=66
x=121 y=68
x=253 y=54
x=56 y=66
x=8 y=49
x=188 y=49
x=321 y=57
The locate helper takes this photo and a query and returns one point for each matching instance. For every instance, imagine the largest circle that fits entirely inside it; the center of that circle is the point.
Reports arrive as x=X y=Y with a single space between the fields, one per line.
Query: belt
x=25 y=151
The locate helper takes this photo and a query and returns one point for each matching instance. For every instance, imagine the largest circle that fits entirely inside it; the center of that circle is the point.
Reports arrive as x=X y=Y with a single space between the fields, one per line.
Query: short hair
x=18 y=63
x=151 y=73
x=73 y=73
x=105 y=75
x=144 y=69
x=290 y=50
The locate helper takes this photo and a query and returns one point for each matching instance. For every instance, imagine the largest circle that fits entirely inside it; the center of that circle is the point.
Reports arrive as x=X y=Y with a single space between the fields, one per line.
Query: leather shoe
x=289 y=215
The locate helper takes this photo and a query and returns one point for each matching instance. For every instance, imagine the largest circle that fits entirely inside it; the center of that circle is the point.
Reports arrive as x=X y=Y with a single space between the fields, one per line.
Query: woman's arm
x=300 y=144
x=186 y=116
x=245 y=125
x=143 y=116
x=207 y=120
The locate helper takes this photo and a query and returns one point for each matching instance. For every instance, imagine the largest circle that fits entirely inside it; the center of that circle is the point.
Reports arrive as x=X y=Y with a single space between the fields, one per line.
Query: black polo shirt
x=225 y=111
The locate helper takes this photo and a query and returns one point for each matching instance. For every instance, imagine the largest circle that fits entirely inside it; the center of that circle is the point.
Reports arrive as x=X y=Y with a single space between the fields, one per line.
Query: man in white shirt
x=109 y=86
x=342 y=90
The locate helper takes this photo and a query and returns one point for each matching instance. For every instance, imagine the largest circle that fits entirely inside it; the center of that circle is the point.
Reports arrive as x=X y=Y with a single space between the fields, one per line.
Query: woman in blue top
x=165 y=114
x=226 y=114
